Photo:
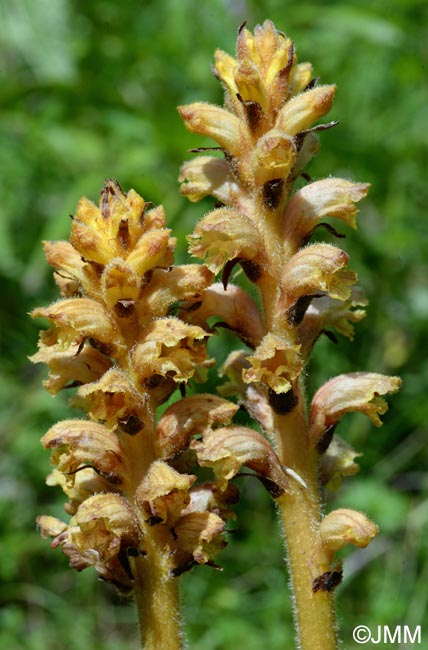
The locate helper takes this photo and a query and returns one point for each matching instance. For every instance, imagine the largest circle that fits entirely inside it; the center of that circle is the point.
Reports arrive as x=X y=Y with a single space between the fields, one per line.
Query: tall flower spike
x=112 y=336
x=267 y=132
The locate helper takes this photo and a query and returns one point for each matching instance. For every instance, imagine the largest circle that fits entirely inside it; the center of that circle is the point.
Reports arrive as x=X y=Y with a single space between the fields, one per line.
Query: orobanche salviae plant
x=130 y=333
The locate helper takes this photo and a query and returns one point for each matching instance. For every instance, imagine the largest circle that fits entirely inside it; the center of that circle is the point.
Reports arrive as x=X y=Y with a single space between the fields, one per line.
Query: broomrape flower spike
x=266 y=134
x=135 y=517
x=130 y=333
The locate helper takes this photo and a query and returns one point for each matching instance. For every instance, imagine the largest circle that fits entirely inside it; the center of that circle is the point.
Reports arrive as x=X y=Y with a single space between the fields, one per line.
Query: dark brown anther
x=327 y=581
x=130 y=424
x=178 y=571
x=145 y=280
x=325 y=440
x=124 y=308
x=123 y=557
x=242 y=26
x=147 y=205
x=282 y=403
x=98 y=268
x=191 y=306
x=272 y=193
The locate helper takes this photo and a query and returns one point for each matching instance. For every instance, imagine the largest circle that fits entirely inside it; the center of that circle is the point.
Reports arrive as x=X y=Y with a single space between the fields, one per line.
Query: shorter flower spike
x=357 y=391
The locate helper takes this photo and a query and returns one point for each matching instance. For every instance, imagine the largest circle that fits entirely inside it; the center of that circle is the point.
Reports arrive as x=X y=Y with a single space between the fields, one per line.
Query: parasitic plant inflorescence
x=131 y=329
x=266 y=132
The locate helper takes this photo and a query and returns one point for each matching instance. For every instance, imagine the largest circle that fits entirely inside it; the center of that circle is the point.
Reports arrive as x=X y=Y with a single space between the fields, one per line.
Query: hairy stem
x=157 y=599
x=301 y=515
x=300 y=508
x=156 y=589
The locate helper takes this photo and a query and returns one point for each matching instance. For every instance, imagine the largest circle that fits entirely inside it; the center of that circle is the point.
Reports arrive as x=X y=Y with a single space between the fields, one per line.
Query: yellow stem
x=157 y=598
x=156 y=589
x=300 y=511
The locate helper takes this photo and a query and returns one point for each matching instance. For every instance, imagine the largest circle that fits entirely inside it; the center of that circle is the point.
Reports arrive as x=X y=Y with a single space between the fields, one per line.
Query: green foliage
x=88 y=91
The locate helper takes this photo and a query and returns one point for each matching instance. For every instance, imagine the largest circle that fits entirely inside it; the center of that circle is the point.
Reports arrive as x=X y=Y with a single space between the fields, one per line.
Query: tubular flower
x=356 y=391
x=114 y=338
x=274 y=363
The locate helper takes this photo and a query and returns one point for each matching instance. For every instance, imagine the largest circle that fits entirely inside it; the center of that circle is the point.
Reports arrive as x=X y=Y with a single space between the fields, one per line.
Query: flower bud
x=205 y=176
x=302 y=111
x=344 y=526
x=337 y=463
x=215 y=123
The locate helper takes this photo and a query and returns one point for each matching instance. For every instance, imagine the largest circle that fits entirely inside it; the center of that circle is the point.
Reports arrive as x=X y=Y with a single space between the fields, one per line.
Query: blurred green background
x=88 y=91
